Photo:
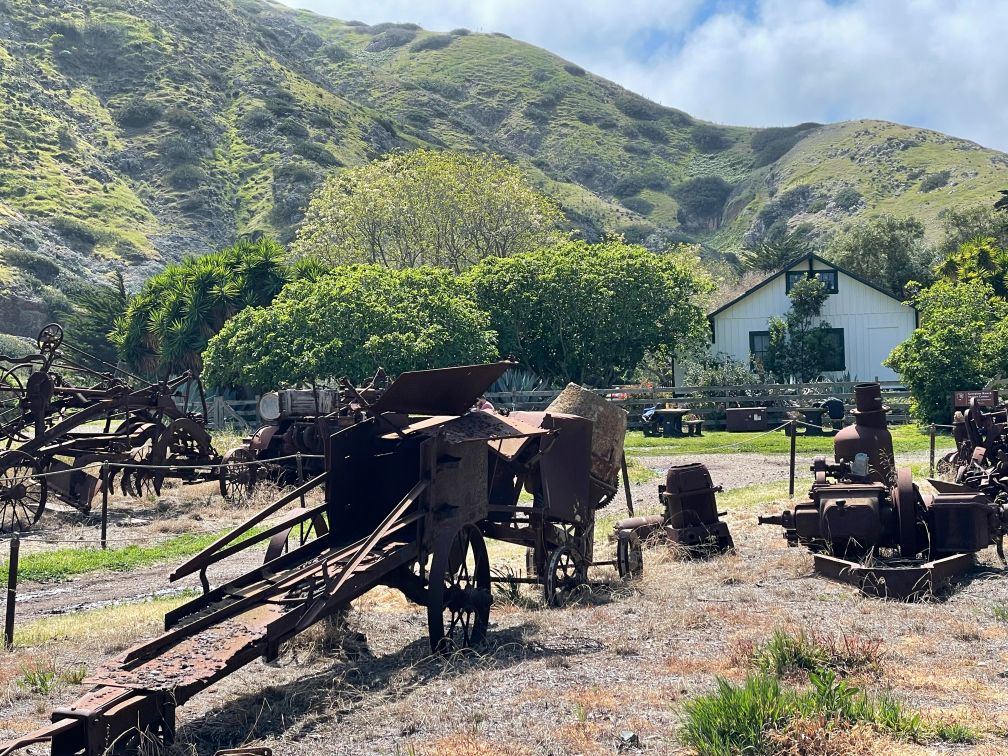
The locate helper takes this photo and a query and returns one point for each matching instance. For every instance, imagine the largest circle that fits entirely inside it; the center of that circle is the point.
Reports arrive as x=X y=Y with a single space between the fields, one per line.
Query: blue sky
x=932 y=63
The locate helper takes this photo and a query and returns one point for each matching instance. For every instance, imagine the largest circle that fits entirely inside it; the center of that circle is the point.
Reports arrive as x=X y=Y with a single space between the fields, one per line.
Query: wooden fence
x=706 y=402
x=709 y=402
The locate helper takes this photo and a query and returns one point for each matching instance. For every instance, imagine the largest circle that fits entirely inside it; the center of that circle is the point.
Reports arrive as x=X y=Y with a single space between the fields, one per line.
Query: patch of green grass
x=757 y=495
x=786 y=653
x=742 y=719
x=1000 y=612
x=50 y=566
x=906 y=438
x=638 y=471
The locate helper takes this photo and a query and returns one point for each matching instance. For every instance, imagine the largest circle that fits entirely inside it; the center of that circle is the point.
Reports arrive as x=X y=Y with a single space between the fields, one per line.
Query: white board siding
x=873 y=322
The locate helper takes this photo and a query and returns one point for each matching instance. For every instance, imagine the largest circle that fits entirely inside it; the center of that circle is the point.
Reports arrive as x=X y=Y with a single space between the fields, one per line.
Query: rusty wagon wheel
x=566 y=572
x=12 y=398
x=50 y=338
x=22 y=497
x=238 y=475
x=629 y=555
x=143 y=437
x=458 y=596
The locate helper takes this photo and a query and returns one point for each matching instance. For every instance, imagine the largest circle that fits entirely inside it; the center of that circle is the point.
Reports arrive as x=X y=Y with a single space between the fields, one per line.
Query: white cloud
x=932 y=63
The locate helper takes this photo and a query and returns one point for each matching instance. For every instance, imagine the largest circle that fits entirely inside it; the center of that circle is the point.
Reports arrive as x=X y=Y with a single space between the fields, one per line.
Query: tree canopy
x=166 y=325
x=886 y=250
x=348 y=322
x=588 y=313
x=799 y=346
x=426 y=208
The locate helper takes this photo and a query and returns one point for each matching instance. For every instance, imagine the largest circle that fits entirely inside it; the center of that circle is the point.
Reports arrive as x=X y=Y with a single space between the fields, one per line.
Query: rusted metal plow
x=44 y=422
x=869 y=525
x=407 y=492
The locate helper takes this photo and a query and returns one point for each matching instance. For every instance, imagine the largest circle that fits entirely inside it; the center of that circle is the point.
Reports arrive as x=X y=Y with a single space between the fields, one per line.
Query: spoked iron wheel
x=566 y=572
x=458 y=597
x=184 y=443
x=238 y=475
x=143 y=436
x=629 y=555
x=12 y=396
x=22 y=497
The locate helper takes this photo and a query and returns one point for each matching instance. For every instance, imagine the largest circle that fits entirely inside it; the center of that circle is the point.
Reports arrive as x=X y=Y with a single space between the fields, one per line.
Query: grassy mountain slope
x=135 y=131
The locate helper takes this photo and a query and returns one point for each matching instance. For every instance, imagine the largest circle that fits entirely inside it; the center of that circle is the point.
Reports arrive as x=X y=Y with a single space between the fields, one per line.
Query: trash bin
x=741 y=419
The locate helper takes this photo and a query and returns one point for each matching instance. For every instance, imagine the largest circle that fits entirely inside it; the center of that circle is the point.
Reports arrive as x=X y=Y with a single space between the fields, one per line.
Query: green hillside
x=135 y=131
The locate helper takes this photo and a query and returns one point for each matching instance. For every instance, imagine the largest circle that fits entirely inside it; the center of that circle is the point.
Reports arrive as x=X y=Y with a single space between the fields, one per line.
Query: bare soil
x=606 y=674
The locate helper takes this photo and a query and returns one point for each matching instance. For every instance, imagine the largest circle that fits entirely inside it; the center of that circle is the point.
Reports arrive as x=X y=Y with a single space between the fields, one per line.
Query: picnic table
x=667 y=421
x=813 y=416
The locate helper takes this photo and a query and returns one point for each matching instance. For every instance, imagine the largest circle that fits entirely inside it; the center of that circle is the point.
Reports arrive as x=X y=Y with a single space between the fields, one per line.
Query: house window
x=836 y=359
x=759 y=344
x=828 y=277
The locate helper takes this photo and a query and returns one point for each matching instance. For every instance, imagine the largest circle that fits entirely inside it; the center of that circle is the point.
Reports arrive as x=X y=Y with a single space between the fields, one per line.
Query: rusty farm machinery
x=289 y=446
x=409 y=494
x=57 y=434
x=868 y=524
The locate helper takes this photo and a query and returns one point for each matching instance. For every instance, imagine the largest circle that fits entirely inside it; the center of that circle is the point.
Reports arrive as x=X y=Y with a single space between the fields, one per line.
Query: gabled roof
x=791 y=264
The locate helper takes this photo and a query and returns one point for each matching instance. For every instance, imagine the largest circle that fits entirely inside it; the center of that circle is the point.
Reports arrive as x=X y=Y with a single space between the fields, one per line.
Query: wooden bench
x=693 y=427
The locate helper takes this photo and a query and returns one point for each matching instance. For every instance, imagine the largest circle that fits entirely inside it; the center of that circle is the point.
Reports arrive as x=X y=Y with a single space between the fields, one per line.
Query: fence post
x=104 y=505
x=932 y=449
x=793 y=430
x=12 y=572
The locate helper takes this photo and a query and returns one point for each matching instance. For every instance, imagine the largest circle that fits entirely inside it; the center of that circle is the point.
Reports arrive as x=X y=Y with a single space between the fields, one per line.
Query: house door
x=882 y=339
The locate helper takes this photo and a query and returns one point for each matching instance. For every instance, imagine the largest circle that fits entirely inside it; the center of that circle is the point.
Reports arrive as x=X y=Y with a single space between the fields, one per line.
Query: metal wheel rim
x=237 y=481
x=629 y=556
x=458 y=595
x=22 y=498
x=564 y=575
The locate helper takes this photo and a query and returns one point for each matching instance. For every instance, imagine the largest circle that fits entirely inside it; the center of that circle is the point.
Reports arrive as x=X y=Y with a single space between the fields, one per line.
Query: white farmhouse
x=867 y=322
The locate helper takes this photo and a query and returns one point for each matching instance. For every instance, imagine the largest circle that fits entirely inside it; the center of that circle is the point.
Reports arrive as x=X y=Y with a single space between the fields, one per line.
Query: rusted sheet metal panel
x=445 y=391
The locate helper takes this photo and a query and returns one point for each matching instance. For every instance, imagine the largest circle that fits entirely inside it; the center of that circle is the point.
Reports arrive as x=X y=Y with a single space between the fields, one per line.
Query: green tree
x=962 y=225
x=959 y=345
x=166 y=326
x=588 y=313
x=349 y=322
x=778 y=247
x=979 y=260
x=799 y=346
x=426 y=208
x=887 y=251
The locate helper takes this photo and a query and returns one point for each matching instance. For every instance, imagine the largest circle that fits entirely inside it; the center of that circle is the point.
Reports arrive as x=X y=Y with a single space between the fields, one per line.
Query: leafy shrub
x=460 y=32
x=281 y=104
x=634 y=183
x=16 y=346
x=847 y=198
x=178 y=150
x=405 y=319
x=138 y=112
x=355 y=23
x=701 y=200
x=38 y=265
x=636 y=148
x=183 y=119
x=391 y=39
x=638 y=205
x=317 y=153
x=292 y=127
x=573 y=69
x=335 y=53
x=771 y=144
x=294 y=173
x=434 y=42
x=536 y=114
x=257 y=117
x=186 y=177
x=653 y=132
x=636 y=107
x=935 y=181
x=709 y=138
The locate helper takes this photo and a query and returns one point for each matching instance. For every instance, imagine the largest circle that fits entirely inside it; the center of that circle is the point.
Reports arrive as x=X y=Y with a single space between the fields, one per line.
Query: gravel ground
x=607 y=673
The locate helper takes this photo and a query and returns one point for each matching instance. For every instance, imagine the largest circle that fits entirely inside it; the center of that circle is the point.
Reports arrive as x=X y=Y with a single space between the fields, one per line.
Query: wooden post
x=932 y=449
x=626 y=486
x=12 y=571
x=104 y=506
x=794 y=437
